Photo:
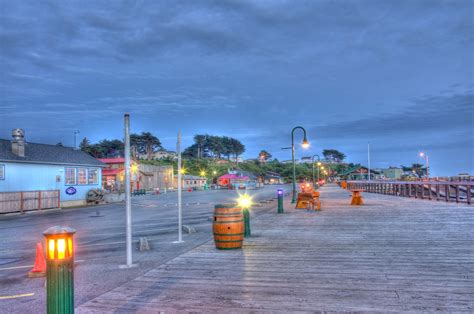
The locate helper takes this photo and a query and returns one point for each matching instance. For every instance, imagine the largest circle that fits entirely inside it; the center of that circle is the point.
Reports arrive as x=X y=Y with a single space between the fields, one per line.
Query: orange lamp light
x=59 y=243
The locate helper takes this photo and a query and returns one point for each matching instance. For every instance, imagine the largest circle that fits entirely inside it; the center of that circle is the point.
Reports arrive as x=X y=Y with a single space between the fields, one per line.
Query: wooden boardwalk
x=393 y=254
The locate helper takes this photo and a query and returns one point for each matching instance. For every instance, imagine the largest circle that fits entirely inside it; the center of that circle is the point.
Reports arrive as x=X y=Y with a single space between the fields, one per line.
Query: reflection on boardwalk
x=392 y=254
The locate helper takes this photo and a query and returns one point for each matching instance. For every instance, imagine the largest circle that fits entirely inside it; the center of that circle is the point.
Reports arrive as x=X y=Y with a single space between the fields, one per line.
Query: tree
x=333 y=155
x=264 y=155
x=200 y=141
x=417 y=169
x=145 y=143
x=85 y=145
x=237 y=148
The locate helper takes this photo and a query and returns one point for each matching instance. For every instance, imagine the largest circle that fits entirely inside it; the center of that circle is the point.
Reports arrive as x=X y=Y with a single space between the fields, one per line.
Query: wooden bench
x=308 y=201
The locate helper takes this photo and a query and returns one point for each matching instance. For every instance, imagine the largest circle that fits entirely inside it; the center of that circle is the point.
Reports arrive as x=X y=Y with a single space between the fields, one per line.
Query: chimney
x=18 y=142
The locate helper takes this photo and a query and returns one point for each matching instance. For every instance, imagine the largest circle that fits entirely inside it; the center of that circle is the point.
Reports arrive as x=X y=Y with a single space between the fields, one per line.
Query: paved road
x=100 y=242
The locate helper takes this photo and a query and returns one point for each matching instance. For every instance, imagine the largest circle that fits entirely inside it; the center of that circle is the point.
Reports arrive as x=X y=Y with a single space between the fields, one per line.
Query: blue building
x=64 y=172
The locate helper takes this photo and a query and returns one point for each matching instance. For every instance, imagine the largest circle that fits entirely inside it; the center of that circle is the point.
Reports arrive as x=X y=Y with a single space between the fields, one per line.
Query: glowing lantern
x=305 y=143
x=59 y=269
x=59 y=243
x=245 y=201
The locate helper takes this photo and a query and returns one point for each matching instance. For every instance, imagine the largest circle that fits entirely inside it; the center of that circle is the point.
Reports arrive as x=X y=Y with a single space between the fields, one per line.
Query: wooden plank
x=395 y=254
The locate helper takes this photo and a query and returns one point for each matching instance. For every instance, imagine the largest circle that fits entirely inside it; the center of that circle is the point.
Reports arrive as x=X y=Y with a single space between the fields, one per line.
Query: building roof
x=118 y=160
x=48 y=154
x=230 y=176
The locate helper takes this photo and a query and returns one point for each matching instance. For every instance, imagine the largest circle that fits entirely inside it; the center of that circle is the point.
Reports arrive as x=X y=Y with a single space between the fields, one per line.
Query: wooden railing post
x=437 y=192
x=468 y=187
x=446 y=192
x=39 y=199
x=22 y=202
x=457 y=193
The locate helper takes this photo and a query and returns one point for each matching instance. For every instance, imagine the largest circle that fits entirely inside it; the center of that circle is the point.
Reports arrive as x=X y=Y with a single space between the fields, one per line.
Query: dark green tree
x=417 y=169
x=333 y=155
x=264 y=155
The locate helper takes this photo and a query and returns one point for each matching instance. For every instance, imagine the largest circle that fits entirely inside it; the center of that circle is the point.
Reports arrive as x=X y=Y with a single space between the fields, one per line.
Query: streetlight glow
x=202 y=173
x=245 y=201
x=305 y=143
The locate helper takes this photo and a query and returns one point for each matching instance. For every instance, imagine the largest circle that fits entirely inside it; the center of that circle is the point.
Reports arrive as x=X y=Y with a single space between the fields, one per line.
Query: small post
x=59 y=270
x=280 y=201
x=247 y=232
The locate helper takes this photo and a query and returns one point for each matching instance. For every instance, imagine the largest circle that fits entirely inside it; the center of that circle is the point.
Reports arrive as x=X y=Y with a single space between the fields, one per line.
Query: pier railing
x=448 y=191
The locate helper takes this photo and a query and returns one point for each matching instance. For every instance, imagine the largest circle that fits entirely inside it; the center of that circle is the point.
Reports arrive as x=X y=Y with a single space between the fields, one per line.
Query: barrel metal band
x=228 y=241
x=228 y=234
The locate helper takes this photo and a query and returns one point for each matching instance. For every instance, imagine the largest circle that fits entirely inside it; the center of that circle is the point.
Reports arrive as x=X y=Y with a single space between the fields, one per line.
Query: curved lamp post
x=427 y=163
x=304 y=144
x=319 y=163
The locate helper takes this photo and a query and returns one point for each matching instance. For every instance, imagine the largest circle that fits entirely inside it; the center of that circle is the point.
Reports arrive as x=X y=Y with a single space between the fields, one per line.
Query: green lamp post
x=280 y=209
x=319 y=163
x=59 y=270
x=245 y=201
x=304 y=144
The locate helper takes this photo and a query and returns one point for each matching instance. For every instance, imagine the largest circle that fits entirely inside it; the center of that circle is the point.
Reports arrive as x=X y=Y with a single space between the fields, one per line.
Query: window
x=2 y=172
x=81 y=176
x=70 y=176
x=92 y=176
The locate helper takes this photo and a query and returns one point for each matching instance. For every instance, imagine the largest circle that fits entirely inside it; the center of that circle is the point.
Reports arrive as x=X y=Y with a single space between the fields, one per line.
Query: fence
x=28 y=200
x=460 y=191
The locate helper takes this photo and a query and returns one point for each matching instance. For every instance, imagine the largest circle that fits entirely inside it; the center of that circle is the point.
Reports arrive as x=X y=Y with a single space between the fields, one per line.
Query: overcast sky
x=397 y=74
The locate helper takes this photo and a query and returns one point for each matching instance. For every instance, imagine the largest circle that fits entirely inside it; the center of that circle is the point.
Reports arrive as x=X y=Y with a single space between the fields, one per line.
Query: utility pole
x=75 y=138
x=180 y=209
x=128 y=200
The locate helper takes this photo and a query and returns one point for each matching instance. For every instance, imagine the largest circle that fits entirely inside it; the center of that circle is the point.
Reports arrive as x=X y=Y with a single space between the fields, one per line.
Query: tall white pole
x=180 y=209
x=128 y=200
x=368 y=159
x=428 y=167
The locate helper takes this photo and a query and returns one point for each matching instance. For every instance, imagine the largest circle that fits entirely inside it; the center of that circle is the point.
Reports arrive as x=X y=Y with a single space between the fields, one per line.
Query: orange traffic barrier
x=357 y=197
x=344 y=185
x=39 y=270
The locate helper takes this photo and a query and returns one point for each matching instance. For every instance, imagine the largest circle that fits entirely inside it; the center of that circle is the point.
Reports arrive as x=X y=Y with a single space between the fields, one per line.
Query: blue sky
x=397 y=74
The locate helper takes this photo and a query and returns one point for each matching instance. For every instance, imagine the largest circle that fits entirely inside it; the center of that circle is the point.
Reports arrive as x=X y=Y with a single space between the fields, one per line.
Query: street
x=100 y=242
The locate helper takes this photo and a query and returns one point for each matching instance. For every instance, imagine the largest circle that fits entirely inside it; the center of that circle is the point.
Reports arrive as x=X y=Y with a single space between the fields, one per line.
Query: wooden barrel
x=228 y=226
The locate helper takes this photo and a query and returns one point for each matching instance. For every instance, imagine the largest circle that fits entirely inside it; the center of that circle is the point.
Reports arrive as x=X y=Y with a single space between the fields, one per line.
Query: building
x=272 y=178
x=393 y=173
x=238 y=179
x=40 y=176
x=191 y=182
x=143 y=176
x=360 y=173
x=152 y=177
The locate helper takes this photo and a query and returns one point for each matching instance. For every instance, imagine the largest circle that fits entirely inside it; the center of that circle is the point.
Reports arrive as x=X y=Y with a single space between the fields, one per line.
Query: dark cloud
x=350 y=72
x=431 y=114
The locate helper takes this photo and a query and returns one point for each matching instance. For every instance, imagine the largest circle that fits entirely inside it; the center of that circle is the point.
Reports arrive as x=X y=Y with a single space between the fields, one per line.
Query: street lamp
x=427 y=163
x=317 y=167
x=305 y=144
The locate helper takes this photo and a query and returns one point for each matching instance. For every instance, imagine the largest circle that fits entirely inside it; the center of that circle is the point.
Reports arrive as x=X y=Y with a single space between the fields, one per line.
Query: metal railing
x=449 y=191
